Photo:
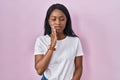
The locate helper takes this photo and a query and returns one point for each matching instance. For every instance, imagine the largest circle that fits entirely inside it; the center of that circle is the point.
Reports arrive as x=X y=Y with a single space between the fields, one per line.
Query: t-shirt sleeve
x=39 y=47
x=79 y=50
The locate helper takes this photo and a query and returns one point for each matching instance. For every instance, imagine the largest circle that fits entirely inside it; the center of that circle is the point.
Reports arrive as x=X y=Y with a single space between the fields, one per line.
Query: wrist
x=52 y=45
x=51 y=48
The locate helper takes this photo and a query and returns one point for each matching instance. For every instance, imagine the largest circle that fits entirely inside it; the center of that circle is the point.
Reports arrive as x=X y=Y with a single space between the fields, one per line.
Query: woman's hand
x=53 y=37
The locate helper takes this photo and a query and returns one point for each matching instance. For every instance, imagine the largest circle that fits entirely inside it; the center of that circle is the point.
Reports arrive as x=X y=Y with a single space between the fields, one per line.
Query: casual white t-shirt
x=61 y=66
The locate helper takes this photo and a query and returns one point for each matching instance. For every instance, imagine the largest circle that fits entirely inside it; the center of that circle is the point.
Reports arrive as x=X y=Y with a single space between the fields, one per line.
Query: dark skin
x=57 y=21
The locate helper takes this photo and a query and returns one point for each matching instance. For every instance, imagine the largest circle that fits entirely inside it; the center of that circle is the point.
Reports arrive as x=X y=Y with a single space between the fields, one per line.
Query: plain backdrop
x=97 y=22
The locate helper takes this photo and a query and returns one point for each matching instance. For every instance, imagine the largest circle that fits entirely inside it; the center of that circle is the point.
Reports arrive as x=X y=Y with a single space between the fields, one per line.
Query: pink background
x=97 y=22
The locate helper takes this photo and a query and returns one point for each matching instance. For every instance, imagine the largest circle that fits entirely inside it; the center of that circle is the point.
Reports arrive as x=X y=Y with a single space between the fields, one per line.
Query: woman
x=58 y=54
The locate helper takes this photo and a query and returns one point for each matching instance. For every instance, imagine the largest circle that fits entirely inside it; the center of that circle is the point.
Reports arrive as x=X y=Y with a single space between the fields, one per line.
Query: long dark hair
x=68 y=28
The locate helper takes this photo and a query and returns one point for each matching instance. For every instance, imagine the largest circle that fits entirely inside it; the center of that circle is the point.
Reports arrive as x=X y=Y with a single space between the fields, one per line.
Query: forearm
x=42 y=64
x=77 y=74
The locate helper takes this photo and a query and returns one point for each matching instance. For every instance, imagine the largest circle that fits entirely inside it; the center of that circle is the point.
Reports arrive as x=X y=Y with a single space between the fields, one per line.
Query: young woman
x=58 y=53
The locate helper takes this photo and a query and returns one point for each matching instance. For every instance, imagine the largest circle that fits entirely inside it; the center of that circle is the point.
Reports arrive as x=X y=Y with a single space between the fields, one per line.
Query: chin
x=59 y=31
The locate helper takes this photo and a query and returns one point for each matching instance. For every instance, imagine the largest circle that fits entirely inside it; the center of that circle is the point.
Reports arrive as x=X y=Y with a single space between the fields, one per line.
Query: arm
x=78 y=68
x=42 y=61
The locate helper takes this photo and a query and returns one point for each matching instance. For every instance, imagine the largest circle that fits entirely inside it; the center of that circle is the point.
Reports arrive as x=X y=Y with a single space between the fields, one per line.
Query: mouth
x=58 y=27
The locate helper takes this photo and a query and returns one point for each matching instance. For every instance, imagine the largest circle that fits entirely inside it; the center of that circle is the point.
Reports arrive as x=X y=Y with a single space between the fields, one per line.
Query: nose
x=57 y=22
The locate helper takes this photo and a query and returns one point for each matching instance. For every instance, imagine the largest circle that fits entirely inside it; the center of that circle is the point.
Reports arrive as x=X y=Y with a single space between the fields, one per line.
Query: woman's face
x=57 y=20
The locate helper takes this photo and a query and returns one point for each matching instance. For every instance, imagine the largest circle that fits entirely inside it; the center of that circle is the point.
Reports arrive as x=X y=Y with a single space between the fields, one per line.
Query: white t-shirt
x=61 y=66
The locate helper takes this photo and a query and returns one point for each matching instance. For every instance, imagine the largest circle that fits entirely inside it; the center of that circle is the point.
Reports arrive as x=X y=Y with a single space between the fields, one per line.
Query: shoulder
x=42 y=37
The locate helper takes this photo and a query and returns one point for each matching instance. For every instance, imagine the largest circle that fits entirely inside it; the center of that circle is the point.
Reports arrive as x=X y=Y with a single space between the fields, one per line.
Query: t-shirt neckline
x=59 y=40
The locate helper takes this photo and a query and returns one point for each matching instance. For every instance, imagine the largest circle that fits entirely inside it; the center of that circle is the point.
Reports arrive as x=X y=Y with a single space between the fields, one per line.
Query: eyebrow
x=55 y=16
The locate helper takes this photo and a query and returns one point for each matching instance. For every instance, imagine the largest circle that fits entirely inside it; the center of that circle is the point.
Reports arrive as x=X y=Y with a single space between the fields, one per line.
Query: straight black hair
x=68 y=28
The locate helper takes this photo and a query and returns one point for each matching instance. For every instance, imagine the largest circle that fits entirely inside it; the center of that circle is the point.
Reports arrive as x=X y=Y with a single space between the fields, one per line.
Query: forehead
x=57 y=13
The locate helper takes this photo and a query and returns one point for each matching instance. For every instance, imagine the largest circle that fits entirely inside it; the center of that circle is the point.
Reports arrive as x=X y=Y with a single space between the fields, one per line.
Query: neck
x=60 y=36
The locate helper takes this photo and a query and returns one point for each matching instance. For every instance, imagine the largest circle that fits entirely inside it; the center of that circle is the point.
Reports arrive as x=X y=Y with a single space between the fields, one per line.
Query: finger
x=53 y=30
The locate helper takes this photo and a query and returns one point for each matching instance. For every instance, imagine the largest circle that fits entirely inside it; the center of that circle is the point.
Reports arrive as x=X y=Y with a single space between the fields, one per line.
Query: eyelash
x=53 y=19
x=60 y=19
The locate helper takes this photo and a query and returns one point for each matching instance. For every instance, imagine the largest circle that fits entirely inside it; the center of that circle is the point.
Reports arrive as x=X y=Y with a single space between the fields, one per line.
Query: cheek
x=51 y=24
x=64 y=24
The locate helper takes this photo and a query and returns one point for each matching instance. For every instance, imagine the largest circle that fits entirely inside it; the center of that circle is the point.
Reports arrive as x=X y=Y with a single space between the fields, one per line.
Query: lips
x=58 y=27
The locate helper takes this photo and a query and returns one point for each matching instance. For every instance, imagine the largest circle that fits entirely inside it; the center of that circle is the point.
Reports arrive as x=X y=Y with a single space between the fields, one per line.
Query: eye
x=52 y=19
x=62 y=19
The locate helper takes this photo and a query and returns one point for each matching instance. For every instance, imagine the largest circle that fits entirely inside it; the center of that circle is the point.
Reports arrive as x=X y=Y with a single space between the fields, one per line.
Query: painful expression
x=57 y=20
